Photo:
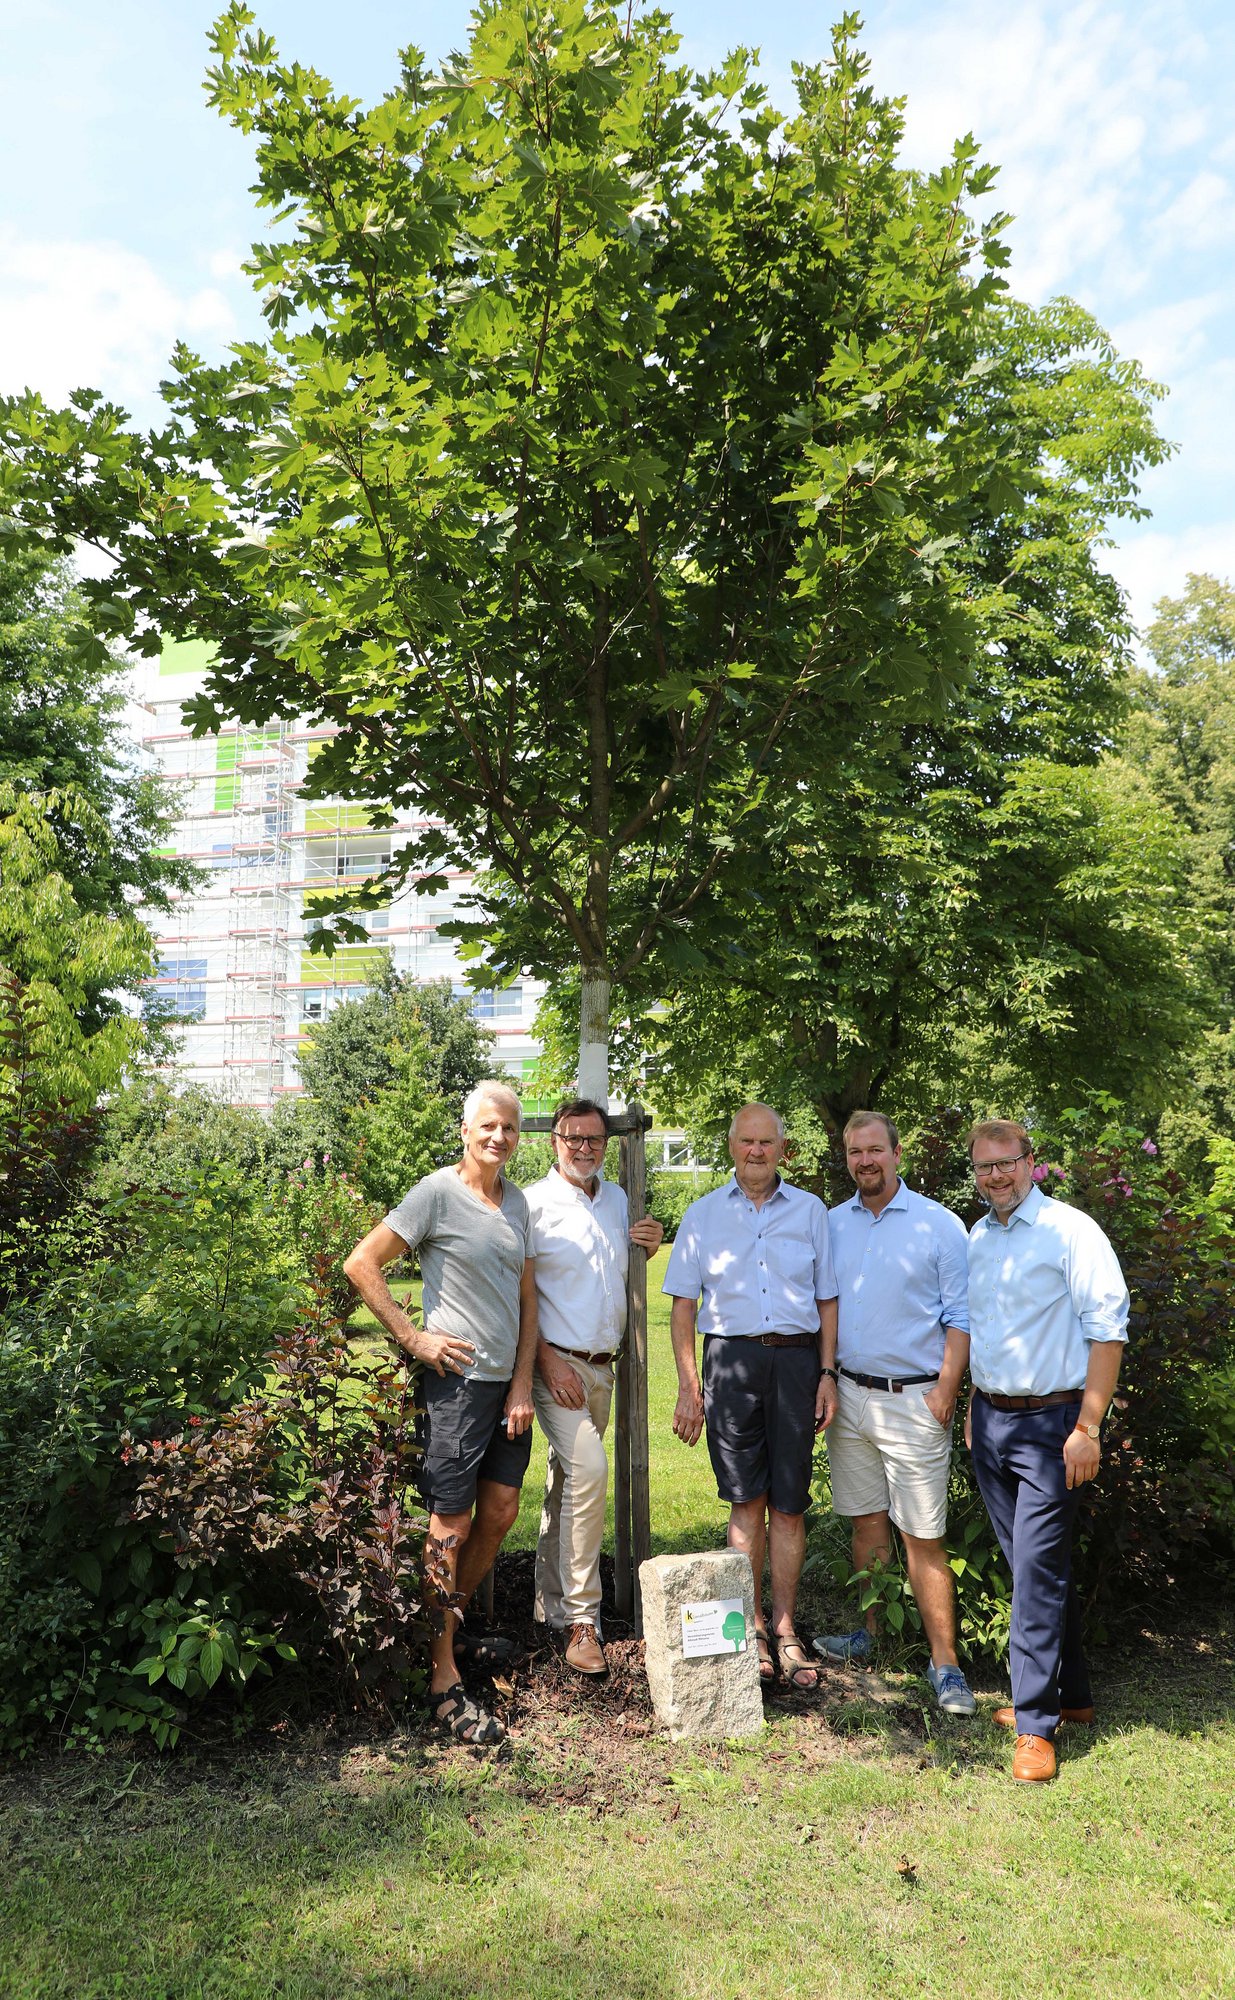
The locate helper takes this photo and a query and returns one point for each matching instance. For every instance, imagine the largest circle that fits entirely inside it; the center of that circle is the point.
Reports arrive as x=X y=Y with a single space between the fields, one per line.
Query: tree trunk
x=594 y=1035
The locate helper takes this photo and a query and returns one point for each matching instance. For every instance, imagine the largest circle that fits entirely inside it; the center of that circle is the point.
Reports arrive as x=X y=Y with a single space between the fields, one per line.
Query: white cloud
x=96 y=315
x=1200 y=216
x=1152 y=563
x=1169 y=338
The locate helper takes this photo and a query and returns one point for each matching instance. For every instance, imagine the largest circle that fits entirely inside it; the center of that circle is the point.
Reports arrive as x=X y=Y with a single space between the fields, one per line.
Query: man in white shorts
x=902 y=1349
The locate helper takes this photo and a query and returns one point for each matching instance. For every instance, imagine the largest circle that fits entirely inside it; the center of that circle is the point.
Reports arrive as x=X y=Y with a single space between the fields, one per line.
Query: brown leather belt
x=787 y=1339
x=581 y=1354
x=1051 y=1402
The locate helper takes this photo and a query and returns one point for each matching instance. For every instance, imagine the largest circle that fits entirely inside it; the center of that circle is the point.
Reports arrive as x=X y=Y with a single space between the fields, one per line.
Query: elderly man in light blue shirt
x=902 y=1345
x=1048 y=1311
x=757 y=1250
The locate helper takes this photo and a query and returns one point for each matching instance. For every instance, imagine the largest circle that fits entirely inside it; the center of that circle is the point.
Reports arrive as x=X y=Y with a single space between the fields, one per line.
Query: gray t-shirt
x=471 y=1260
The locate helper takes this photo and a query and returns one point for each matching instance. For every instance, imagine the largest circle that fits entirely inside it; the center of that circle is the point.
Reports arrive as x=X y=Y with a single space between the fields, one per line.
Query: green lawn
x=864 y=1846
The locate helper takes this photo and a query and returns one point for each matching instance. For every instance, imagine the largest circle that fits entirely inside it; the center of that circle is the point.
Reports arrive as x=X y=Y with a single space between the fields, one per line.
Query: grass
x=867 y=1844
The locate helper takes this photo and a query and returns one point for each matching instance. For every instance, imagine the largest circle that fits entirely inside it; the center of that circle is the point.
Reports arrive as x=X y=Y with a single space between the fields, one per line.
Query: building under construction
x=235 y=964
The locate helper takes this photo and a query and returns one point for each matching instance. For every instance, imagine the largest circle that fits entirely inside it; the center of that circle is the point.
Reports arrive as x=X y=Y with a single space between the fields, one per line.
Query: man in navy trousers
x=1048 y=1316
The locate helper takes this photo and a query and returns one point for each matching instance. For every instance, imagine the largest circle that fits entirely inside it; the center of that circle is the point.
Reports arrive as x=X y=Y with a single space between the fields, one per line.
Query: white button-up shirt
x=1041 y=1288
x=582 y=1256
x=903 y=1279
x=760 y=1270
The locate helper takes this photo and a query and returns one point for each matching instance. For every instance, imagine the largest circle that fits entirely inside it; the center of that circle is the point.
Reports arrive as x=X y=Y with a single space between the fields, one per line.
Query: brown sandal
x=767 y=1666
x=802 y=1675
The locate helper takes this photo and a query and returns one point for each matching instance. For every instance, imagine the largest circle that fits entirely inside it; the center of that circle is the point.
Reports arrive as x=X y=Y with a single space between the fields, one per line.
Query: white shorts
x=889 y=1455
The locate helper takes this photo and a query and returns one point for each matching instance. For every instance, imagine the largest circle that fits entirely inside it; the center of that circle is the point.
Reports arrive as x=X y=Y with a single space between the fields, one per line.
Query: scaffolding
x=235 y=959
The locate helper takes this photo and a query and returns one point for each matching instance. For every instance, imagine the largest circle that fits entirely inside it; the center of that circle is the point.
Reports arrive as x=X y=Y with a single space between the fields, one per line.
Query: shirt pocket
x=791 y=1260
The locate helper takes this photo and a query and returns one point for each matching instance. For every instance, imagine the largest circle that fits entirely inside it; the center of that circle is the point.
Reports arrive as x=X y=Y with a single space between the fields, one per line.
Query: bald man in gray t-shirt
x=472 y=1232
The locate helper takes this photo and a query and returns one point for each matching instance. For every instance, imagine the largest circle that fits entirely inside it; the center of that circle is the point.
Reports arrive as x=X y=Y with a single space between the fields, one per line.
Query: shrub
x=671 y=1194
x=155 y=1313
x=300 y=1500
x=323 y=1215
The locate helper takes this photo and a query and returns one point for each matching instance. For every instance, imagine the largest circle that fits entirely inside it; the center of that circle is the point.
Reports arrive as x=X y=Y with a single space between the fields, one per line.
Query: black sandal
x=483 y=1649
x=460 y=1717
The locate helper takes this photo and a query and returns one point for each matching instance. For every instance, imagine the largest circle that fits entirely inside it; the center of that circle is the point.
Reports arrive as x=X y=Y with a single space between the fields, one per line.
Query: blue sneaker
x=846 y=1645
x=952 y=1690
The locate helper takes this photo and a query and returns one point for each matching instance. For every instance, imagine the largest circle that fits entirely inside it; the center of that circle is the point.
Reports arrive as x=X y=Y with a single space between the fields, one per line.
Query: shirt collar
x=779 y=1192
x=1027 y=1210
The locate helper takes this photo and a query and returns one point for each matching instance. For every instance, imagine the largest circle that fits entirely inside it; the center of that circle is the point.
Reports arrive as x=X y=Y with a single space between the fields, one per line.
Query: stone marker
x=716 y=1695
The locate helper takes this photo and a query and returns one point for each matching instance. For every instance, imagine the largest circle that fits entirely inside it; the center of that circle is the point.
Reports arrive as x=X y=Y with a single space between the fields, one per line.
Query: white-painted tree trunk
x=594 y=1035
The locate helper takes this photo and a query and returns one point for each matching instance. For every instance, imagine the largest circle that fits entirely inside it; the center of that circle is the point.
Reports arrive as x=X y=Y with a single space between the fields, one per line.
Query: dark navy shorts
x=759 y=1411
x=466 y=1441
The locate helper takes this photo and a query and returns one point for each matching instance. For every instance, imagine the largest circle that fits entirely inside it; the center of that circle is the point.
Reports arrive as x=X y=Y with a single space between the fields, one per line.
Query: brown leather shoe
x=1033 y=1761
x=1005 y=1718
x=585 y=1652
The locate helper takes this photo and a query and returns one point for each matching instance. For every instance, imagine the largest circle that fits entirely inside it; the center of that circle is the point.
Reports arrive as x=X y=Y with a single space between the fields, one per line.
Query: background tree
x=349 y=1058
x=609 y=455
x=1181 y=735
x=79 y=837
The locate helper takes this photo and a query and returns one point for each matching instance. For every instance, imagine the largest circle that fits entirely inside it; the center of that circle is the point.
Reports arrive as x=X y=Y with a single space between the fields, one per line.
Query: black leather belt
x=890 y=1384
x=787 y=1339
x=581 y=1354
x=1051 y=1402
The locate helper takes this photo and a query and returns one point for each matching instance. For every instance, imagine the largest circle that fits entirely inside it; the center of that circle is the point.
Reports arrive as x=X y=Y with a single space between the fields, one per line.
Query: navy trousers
x=1018 y=1458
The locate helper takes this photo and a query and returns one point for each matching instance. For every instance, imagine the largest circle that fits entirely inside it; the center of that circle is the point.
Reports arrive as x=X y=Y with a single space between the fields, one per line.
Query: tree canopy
x=615 y=445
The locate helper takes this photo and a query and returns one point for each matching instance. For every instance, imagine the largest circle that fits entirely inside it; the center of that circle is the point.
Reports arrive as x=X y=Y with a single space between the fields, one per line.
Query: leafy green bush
x=324 y=1214
x=154 y=1314
x=670 y=1195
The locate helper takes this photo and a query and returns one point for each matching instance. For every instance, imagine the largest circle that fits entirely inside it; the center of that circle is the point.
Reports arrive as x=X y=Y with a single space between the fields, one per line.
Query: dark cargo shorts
x=759 y=1412
x=466 y=1441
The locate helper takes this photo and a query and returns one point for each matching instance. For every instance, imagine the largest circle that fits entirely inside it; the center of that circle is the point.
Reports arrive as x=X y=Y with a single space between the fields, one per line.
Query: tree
x=985 y=903
x=350 y=1056
x=1181 y=734
x=611 y=451
x=79 y=835
x=63 y=749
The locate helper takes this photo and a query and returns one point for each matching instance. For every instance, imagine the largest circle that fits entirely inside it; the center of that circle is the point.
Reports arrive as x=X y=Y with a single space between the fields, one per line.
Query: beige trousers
x=572 y=1522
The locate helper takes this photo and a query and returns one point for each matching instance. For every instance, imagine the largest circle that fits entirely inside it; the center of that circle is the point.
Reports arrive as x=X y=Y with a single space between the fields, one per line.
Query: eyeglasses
x=981 y=1173
x=581 y=1142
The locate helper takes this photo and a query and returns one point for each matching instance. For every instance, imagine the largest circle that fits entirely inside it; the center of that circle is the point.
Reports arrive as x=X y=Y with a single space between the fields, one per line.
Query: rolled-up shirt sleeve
x=683 y=1277
x=1099 y=1295
x=953 y=1273
x=826 y=1286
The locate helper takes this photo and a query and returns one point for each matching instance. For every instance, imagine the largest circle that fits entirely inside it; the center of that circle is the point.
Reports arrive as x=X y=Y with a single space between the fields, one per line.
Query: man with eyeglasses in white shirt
x=1048 y=1316
x=582 y=1236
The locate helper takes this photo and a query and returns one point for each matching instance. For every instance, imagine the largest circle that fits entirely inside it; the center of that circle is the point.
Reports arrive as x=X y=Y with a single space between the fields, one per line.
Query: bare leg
x=476 y=1541
x=748 y=1532
x=872 y=1547
x=933 y=1589
x=787 y=1536
x=497 y=1509
x=455 y=1529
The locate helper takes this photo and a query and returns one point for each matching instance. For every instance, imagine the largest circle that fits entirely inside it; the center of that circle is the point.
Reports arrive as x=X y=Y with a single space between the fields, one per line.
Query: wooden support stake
x=635 y=1152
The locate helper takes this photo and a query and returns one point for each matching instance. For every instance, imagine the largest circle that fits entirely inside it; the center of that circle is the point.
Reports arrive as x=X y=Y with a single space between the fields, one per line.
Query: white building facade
x=235 y=965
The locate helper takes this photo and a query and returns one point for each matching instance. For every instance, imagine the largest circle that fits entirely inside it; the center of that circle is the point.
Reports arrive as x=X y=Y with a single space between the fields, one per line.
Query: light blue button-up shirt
x=760 y=1270
x=1041 y=1289
x=903 y=1279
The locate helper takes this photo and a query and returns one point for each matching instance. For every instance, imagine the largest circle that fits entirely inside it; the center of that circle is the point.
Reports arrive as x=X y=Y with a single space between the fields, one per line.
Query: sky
x=127 y=215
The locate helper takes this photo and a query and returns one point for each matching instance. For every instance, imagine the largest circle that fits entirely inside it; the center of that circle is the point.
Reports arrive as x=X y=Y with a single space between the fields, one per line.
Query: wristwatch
x=1093 y=1431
